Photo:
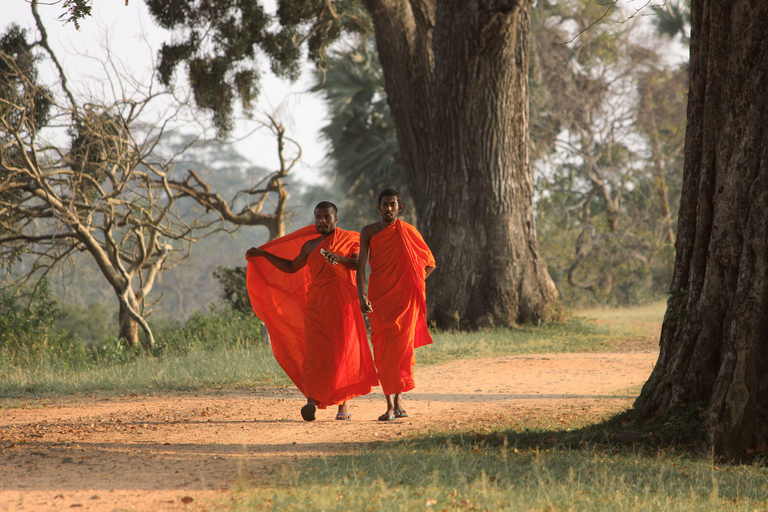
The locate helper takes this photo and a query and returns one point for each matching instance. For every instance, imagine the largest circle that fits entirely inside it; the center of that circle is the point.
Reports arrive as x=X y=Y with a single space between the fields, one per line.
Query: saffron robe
x=313 y=317
x=398 y=257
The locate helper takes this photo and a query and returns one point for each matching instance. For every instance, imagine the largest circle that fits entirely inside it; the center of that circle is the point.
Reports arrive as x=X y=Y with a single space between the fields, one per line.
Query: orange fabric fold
x=313 y=317
x=398 y=257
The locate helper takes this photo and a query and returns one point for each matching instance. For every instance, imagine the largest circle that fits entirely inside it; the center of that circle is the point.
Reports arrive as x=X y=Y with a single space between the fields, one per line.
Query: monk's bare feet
x=343 y=413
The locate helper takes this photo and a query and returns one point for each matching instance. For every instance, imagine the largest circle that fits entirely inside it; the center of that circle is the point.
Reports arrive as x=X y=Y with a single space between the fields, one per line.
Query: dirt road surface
x=190 y=451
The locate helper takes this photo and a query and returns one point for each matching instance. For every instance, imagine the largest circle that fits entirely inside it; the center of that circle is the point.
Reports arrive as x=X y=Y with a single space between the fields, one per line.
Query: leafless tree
x=105 y=190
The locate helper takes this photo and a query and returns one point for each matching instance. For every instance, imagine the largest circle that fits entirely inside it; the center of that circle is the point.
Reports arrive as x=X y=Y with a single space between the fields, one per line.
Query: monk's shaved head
x=324 y=205
x=390 y=192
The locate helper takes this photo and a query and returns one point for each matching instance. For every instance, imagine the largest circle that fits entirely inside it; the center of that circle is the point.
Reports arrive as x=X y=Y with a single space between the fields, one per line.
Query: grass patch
x=590 y=330
x=533 y=469
x=224 y=349
x=222 y=367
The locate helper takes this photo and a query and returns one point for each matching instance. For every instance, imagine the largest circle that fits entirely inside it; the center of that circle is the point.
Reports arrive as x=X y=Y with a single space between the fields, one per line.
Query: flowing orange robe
x=398 y=257
x=313 y=317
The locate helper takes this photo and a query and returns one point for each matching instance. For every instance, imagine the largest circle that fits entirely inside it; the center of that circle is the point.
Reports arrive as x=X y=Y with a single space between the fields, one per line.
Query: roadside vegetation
x=541 y=468
x=224 y=348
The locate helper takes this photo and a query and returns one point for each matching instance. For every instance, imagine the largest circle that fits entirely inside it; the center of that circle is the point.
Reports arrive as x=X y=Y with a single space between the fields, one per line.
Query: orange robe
x=313 y=317
x=398 y=257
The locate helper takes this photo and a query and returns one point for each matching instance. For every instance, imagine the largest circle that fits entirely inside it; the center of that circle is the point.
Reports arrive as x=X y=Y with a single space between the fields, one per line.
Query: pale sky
x=134 y=40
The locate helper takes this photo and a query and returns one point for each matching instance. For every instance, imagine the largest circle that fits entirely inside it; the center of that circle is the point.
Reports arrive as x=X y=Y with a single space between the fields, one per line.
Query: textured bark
x=479 y=218
x=129 y=328
x=460 y=104
x=404 y=41
x=714 y=340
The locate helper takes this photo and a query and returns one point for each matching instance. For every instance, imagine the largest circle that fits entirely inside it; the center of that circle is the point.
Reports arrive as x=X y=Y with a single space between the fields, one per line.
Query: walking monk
x=311 y=311
x=397 y=309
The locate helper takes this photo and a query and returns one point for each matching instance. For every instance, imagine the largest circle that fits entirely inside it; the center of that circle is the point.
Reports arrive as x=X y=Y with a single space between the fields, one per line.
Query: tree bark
x=403 y=30
x=714 y=340
x=129 y=328
x=479 y=218
x=456 y=80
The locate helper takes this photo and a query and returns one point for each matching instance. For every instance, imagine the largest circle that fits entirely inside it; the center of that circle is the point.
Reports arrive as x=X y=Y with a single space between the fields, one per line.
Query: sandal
x=387 y=417
x=400 y=413
x=343 y=416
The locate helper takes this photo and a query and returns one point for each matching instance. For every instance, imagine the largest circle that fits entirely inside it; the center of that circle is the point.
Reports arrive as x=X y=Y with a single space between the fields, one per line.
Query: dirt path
x=179 y=452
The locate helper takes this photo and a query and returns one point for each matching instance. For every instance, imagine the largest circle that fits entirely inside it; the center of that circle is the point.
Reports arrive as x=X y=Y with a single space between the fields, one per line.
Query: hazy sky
x=132 y=37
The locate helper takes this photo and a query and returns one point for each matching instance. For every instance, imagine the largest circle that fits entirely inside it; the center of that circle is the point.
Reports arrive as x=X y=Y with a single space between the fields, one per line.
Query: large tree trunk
x=714 y=340
x=403 y=31
x=480 y=219
x=461 y=120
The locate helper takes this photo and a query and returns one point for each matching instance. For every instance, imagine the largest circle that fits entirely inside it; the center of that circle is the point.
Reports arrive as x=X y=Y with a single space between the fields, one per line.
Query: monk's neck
x=384 y=224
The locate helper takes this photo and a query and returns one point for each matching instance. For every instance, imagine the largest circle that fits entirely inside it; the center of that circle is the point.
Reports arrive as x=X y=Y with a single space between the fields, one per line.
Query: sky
x=133 y=39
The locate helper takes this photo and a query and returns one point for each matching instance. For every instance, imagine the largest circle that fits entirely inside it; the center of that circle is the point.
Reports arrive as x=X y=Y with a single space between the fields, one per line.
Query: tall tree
x=456 y=82
x=608 y=120
x=714 y=346
x=108 y=191
x=363 y=151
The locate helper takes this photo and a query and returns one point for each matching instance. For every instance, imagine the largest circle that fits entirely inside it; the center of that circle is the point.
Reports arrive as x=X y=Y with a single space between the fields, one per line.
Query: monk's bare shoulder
x=309 y=246
x=368 y=231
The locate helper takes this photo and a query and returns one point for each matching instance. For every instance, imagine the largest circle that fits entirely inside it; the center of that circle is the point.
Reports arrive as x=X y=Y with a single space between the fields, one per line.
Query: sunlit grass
x=632 y=321
x=221 y=367
x=583 y=331
x=534 y=469
x=460 y=478
x=213 y=351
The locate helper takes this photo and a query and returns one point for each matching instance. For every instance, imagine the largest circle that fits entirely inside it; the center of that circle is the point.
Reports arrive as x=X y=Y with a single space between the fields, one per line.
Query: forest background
x=607 y=121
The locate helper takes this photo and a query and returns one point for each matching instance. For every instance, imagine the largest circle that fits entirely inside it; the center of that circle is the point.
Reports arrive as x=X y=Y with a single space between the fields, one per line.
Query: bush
x=28 y=336
x=220 y=327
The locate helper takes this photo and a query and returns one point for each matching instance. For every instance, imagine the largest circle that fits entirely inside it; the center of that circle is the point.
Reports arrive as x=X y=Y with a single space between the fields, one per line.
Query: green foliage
x=218 y=42
x=29 y=337
x=92 y=324
x=673 y=18
x=220 y=327
x=608 y=120
x=76 y=10
x=234 y=288
x=19 y=82
x=221 y=348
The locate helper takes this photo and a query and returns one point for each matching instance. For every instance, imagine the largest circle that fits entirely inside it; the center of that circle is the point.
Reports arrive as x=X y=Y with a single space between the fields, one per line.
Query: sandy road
x=185 y=451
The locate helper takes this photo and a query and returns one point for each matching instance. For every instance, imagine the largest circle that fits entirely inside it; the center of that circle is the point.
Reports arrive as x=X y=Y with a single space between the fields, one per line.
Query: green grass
x=584 y=331
x=224 y=350
x=534 y=469
x=219 y=350
x=222 y=367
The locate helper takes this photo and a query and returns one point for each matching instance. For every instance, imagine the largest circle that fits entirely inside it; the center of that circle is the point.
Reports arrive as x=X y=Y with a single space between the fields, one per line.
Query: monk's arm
x=428 y=271
x=362 y=261
x=282 y=264
x=350 y=262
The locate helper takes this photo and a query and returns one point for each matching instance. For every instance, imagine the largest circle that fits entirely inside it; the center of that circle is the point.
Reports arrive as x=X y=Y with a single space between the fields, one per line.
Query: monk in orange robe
x=400 y=262
x=310 y=308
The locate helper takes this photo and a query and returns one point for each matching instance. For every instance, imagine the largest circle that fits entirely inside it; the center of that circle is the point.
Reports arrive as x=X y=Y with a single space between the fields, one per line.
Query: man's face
x=389 y=208
x=325 y=220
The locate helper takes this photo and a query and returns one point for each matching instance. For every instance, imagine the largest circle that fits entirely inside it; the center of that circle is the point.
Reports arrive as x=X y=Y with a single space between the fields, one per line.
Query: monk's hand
x=365 y=305
x=254 y=252
x=330 y=257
